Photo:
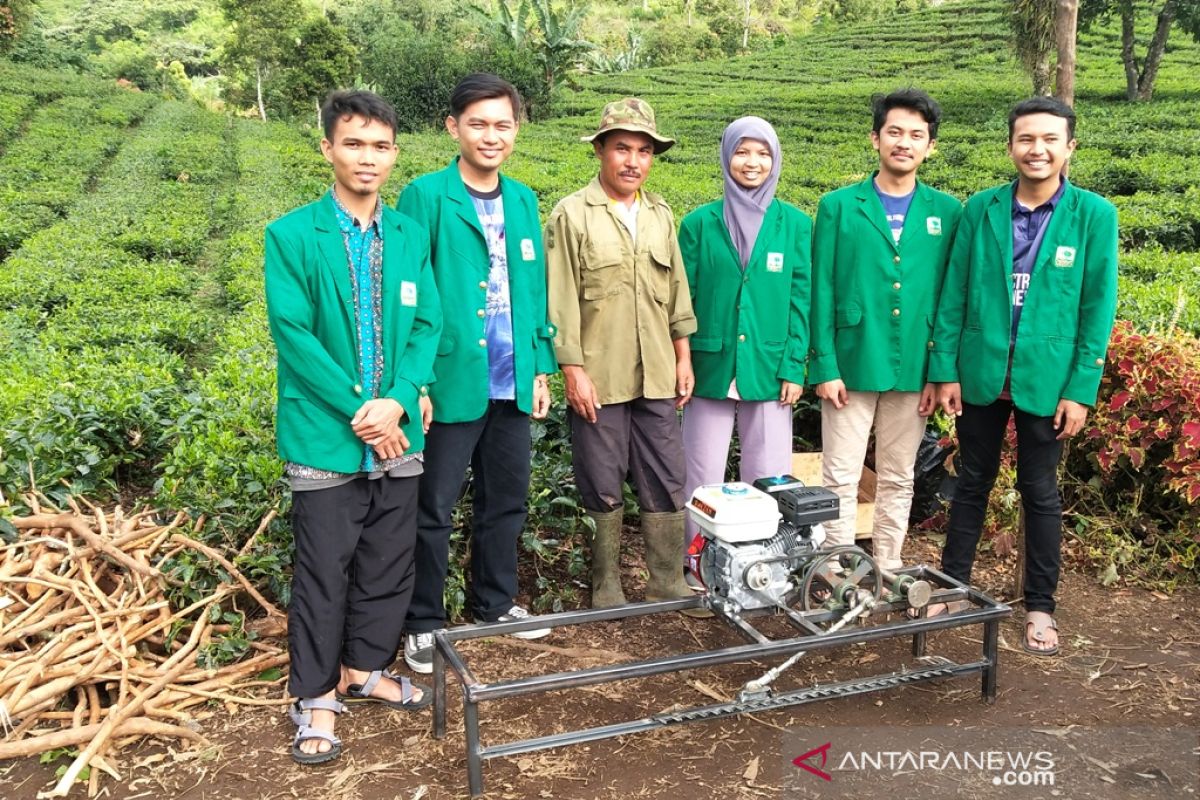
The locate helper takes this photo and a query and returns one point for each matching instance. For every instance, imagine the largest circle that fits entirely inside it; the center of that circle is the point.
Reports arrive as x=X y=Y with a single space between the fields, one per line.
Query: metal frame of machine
x=937 y=588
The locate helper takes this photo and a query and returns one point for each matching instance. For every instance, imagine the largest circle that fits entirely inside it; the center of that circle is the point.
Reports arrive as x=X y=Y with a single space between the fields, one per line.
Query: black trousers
x=641 y=439
x=497 y=446
x=352 y=580
x=980 y=437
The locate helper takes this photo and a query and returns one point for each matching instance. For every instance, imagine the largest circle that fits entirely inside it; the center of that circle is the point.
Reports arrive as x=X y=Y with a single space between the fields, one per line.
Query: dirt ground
x=1130 y=658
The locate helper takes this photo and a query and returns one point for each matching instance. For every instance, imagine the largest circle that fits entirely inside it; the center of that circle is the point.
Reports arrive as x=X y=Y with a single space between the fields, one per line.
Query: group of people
x=417 y=342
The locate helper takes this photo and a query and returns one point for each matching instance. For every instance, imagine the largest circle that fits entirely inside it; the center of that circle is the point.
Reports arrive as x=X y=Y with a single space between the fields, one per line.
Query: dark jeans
x=352 y=580
x=980 y=437
x=498 y=447
x=641 y=439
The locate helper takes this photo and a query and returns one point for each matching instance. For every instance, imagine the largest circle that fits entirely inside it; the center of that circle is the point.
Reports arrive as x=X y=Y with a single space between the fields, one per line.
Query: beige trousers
x=844 y=434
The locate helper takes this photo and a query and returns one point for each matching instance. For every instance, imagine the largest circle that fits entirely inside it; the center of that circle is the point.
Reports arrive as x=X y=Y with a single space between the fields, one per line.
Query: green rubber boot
x=663 y=531
x=606 y=560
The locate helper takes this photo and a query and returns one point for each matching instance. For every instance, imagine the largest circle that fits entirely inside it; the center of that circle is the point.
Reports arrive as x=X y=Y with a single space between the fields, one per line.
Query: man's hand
x=426 y=403
x=928 y=403
x=581 y=392
x=1069 y=418
x=835 y=392
x=378 y=421
x=789 y=393
x=541 y=397
x=949 y=397
x=392 y=446
x=685 y=381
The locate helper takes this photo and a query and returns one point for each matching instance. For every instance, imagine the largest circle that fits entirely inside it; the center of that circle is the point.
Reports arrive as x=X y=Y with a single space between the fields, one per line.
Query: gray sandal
x=360 y=694
x=1039 y=635
x=301 y=714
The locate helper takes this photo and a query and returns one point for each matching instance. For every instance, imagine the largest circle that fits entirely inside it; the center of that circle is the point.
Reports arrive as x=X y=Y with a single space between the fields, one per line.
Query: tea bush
x=134 y=351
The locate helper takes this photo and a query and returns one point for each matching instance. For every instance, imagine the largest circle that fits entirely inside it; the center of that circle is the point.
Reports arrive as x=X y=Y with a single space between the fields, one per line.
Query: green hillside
x=133 y=347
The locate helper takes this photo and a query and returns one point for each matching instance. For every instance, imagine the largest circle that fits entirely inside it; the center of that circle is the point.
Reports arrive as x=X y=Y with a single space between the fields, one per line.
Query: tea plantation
x=134 y=356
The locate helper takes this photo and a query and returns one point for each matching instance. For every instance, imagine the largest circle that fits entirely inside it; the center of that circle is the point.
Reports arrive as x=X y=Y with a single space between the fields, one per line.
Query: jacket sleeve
x=689 y=251
x=562 y=286
x=952 y=303
x=795 y=355
x=544 y=362
x=1097 y=309
x=823 y=364
x=291 y=317
x=411 y=203
x=680 y=316
x=415 y=368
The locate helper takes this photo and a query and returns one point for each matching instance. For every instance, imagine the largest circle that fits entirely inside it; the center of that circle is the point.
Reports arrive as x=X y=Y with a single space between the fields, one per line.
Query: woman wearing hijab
x=748 y=263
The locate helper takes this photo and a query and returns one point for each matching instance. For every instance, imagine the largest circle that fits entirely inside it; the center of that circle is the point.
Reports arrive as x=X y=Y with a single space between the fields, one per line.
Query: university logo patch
x=408 y=293
x=933 y=225
x=774 y=262
x=1064 y=257
x=527 y=249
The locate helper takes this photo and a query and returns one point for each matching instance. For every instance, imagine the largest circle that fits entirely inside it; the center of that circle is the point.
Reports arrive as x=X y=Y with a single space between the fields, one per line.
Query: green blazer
x=873 y=300
x=1069 y=308
x=310 y=310
x=753 y=325
x=461 y=263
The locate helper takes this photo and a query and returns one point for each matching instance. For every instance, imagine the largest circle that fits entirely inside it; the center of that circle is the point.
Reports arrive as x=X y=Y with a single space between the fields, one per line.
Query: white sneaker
x=518 y=614
x=418 y=652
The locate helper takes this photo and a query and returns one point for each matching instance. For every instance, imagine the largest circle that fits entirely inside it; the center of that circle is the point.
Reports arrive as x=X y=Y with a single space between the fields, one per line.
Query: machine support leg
x=474 y=761
x=439 y=694
x=918 y=648
x=991 y=642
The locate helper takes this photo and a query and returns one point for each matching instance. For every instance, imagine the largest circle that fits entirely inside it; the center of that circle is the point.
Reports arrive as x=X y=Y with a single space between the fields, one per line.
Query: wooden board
x=807 y=468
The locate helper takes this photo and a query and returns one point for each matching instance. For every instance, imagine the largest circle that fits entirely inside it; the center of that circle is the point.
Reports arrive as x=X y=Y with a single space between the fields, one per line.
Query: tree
x=561 y=47
x=555 y=39
x=14 y=16
x=323 y=59
x=1140 y=76
x=1066 y=34
x=1032 y=23
x=263 y=33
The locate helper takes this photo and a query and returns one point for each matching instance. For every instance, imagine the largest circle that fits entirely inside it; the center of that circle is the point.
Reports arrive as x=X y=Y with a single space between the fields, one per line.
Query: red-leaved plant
x=1133 y=473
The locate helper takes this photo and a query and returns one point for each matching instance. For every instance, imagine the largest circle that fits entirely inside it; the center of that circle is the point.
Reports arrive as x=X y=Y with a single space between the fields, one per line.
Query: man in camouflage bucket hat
x=618 y=297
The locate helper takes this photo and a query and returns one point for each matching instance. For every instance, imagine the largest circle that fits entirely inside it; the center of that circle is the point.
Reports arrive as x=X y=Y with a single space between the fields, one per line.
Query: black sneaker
x=418 y=652
x=518 y=614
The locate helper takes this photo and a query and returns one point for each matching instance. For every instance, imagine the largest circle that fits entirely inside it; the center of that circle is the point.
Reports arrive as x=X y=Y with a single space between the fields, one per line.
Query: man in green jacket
x=492 y=361
x=354 y=313
x=619 y=298
x=1039 y=242
x=879 y=254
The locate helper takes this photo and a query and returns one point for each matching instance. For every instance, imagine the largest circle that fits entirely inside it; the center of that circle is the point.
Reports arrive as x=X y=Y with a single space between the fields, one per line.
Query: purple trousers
x=764 y=431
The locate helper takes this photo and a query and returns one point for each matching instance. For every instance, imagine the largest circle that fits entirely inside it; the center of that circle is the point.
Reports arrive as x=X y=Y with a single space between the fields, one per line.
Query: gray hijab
x=745 y=208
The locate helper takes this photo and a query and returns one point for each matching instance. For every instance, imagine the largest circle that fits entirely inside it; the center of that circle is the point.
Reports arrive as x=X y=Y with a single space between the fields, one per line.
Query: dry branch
x=91 y=652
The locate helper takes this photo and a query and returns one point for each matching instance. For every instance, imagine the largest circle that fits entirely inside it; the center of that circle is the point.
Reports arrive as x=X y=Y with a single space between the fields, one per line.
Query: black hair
x=1042 y=105
x=483 y=86
x=911 y=99
x=345 y=103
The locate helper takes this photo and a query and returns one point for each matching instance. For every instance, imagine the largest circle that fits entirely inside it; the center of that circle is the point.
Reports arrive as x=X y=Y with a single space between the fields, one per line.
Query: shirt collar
x=1050 y=204
x=346 y=220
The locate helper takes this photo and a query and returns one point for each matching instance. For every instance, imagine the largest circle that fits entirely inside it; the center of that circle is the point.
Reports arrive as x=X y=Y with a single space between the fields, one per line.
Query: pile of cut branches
x=93 y=656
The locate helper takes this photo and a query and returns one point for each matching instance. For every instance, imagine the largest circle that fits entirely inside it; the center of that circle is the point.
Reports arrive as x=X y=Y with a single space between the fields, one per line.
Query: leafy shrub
x=1134 y=475
x=673 y=41
x=13 y=109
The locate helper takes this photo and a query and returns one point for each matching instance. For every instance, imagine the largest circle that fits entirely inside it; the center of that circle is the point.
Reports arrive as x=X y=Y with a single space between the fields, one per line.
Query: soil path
x=1130 y=658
